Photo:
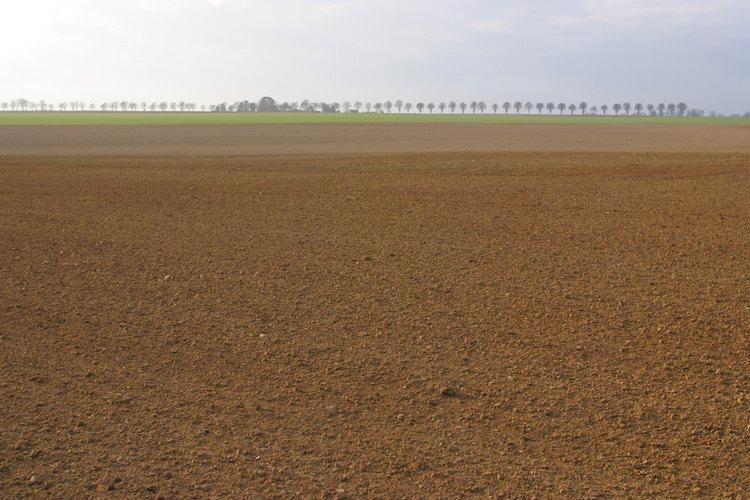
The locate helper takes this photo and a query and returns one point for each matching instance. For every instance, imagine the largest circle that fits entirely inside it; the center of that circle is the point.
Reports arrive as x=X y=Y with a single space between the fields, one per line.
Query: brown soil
x=394 y=325
x=366 y=138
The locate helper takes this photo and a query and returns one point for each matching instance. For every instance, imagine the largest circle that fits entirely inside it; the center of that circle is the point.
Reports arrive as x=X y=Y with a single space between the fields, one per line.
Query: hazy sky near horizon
x=209 y=51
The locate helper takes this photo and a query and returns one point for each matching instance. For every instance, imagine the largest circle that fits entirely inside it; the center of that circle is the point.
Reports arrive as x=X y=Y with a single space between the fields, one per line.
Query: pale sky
x=209 y=51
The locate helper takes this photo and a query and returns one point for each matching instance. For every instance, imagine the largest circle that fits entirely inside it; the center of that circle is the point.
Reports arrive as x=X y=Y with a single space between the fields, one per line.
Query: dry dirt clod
x=449 y=392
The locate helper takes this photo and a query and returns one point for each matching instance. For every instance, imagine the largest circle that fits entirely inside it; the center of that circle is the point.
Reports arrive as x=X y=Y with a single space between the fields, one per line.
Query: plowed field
x=367 y=138
x=388 y=325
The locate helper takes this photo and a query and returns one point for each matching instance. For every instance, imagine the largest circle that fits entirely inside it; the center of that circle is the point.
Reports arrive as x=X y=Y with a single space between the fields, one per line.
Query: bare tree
x=420 y=107
x=399 y=105
x=528 y=107
x=682 y=108
x=163 y=106
x=572 y=109
x=661 y=107
x=539 y=107
x=482 y=106
x=627 y=107
x=462 y=106
x=441 y=106
x=388 y=105
x=583 y=107
x=452 y=105
x=617 y=108
x=152 y=107
x=173 y=106
x=518 y=106
x=368 y=107
x=650 y=108
x=671 y=108
x=64 y=105
x=495 y=107
x=473 y=107
x=506 y=107
x=550 y=107
x=408 y=107
x=638 y=108
x=561 y=107
x=431 y=106
x=604 y=109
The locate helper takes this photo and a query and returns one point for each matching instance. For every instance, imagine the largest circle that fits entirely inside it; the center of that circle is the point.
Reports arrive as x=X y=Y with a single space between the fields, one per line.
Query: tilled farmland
x=439 y=324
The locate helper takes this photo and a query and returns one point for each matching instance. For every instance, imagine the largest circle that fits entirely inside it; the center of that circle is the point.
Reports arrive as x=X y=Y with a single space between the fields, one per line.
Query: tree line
x=121 y=106
x=270 y=105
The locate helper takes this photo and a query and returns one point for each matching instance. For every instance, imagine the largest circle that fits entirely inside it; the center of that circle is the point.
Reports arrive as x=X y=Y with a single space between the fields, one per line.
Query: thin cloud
x=628 y=13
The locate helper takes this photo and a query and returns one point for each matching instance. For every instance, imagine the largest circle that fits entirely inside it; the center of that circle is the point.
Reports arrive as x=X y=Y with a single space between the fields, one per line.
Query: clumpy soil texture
x=394 y=325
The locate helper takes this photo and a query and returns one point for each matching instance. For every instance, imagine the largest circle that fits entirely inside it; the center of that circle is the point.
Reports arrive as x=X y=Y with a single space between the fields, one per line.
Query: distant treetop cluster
x=270 y=105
